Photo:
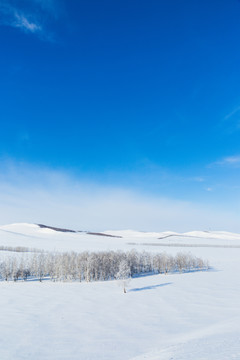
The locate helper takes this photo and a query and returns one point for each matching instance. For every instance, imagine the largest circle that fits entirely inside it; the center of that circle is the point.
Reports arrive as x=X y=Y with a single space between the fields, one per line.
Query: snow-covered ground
x=162 y=317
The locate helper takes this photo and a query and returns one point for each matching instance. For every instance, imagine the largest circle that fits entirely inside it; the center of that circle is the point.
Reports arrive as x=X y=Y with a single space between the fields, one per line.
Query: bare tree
x=123 y=274
x=94 y=266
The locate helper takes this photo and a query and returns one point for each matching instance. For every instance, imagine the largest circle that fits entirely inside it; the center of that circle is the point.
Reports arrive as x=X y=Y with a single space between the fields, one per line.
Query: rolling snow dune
x=162 y=317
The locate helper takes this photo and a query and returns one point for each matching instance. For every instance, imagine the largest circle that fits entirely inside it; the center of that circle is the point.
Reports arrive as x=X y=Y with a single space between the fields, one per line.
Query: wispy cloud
x=39 y=195
x=198 y=179
x=232 y=113
x=22 y=22
x=231 y=121
x=28 y=16
x=209 y=189
x=228 y=161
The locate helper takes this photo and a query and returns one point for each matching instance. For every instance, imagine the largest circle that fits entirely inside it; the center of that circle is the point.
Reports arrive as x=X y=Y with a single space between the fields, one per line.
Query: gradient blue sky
x=135 y=97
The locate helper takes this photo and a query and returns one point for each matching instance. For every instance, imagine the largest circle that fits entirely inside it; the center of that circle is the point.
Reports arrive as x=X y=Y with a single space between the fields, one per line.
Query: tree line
x=94 y=266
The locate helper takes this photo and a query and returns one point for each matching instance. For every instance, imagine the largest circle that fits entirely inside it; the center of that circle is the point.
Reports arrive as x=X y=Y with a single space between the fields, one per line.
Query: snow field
x=161 y=317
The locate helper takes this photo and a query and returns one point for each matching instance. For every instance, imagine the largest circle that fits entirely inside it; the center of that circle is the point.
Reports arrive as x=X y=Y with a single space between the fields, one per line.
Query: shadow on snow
x=152 y=287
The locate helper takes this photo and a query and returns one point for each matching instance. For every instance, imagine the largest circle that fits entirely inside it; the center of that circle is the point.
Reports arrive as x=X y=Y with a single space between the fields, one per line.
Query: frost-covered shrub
x=94 y=266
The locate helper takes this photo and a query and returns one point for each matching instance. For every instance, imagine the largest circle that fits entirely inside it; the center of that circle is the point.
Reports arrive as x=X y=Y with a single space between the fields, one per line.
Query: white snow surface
x=162 y=317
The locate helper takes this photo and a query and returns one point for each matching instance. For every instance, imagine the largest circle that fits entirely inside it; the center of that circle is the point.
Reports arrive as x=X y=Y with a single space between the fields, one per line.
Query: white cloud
x=43 y=196
x=209 y=189
x=29 y=18
x=198 y=179
x=232 y=113
x=229 y=161
x=22 y=22
x=231 y=121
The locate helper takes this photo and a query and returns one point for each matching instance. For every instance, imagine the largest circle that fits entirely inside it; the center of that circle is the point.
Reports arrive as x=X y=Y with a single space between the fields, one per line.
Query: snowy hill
x=50 y=238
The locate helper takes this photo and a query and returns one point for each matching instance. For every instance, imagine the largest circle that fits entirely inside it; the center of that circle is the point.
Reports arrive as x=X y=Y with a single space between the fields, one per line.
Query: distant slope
x=62 y=239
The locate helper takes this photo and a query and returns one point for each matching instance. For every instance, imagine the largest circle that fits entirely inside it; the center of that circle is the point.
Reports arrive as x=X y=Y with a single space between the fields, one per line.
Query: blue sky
x=140 y=98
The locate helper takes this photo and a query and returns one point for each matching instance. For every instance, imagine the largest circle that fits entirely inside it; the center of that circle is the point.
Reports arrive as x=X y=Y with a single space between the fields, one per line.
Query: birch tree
x=123 y=274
